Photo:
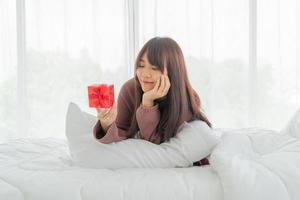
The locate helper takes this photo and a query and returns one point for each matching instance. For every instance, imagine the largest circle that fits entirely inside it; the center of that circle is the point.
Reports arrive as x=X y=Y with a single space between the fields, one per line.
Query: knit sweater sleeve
x=148 y=119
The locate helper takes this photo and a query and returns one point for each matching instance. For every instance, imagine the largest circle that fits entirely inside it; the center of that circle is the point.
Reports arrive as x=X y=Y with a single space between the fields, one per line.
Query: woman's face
x=147 y=74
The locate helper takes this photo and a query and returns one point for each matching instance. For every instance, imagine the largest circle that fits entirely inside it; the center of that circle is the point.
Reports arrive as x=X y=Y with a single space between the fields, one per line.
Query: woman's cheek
x=138 y=73
x=157 y=80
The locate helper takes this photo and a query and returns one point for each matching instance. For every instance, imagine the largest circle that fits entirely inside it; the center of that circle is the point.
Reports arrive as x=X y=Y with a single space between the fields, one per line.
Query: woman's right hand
x=107 y=116
x=160 y=90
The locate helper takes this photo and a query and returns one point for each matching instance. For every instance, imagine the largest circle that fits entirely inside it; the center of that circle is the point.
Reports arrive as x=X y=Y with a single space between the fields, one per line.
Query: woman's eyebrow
x=142 y=60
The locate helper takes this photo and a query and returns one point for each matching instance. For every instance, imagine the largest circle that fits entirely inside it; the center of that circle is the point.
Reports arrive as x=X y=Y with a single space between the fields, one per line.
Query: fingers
x=112 y=111
x=161 y=87
x=157 y=84
x=165 y=71
x=167 y=86
x=168 y=81
x=107 y=116
x=162 y=84
x=105 y=112
x=101 y=112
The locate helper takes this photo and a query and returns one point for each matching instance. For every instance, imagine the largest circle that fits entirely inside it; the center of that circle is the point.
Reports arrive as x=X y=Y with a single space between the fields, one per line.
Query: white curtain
x=242 y=57
x=69 y=44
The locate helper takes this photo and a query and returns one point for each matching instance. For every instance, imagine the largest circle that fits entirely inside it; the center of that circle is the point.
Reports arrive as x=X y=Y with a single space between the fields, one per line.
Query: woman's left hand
x=160 y=90
x=107 y=116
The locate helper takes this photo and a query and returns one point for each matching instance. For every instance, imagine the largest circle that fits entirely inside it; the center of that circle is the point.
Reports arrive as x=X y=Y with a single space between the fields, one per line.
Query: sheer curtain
x=67 y=45
x=8 y=69
x=242 y=57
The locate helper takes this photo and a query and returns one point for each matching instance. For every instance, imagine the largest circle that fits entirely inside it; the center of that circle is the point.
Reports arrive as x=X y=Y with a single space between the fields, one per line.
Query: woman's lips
x=146 y=82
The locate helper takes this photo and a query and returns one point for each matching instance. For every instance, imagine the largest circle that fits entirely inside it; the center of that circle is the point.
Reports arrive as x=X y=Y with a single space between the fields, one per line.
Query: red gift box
x=101 y=96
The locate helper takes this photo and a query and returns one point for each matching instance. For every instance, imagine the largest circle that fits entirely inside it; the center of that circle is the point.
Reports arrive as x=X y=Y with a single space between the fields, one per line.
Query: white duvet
x=258 y=164
x=41 y=169
x=246 y=164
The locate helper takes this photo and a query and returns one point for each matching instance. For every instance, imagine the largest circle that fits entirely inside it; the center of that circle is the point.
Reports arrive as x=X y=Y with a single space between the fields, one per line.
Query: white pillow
x=293 y=126
x=194 y=141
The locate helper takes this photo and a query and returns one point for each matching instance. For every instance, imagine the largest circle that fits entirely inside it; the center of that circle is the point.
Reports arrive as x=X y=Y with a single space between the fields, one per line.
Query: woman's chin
x=145 y=89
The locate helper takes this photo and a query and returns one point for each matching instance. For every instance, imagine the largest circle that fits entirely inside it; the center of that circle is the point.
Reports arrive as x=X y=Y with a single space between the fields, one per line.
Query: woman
x=153 y=104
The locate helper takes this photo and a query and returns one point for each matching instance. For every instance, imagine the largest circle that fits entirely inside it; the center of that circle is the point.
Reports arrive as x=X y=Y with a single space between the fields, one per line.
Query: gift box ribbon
x=101 y=96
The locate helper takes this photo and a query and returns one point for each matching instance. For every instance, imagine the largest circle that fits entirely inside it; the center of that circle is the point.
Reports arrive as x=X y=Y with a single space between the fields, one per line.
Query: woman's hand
x=160 y=90
x=107 y=116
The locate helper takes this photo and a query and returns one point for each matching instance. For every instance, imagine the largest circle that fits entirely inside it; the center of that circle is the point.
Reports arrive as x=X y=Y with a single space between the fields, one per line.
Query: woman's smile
x=147 y=82
x=147 y=85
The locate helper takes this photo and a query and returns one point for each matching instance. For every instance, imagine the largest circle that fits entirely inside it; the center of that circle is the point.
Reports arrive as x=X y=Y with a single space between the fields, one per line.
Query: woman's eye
x=154 y=68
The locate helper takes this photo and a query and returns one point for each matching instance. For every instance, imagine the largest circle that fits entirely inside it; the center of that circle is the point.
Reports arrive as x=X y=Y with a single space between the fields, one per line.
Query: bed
x=246 y=164
x=36 y=169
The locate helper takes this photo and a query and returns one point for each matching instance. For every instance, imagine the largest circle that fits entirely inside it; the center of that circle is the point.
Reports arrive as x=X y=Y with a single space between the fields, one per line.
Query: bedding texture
x=42 y=169
x=260 y=164
x=245 y=164
x=251 y=163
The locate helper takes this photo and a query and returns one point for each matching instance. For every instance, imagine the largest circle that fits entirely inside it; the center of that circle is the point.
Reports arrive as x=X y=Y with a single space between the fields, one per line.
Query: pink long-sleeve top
x=147 y=120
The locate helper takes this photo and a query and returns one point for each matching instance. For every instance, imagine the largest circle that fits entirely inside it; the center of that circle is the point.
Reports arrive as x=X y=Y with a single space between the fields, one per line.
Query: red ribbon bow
x=101 y=96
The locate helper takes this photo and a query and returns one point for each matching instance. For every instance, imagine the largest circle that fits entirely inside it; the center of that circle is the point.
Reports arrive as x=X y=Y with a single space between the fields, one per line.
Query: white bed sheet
x=36 y=169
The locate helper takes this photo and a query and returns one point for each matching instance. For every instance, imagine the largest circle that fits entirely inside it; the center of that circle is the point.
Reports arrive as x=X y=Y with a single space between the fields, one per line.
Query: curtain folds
x=70 y=44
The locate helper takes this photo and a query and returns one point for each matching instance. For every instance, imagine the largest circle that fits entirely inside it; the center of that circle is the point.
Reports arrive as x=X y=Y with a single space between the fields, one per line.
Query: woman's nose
x=146 y=73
